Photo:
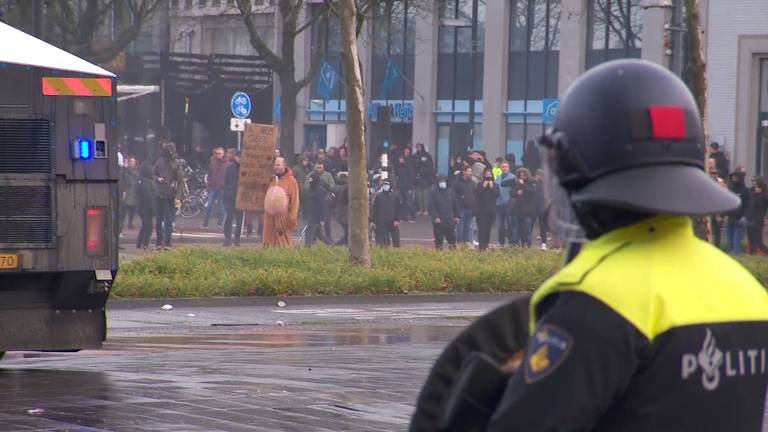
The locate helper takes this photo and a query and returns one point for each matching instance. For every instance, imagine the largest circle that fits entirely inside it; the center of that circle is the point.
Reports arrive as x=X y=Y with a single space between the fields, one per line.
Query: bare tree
x=358 y=191
x=697 y=67
x=292 y=13
x=97 y=30
x=697 y=72
x=353 y=15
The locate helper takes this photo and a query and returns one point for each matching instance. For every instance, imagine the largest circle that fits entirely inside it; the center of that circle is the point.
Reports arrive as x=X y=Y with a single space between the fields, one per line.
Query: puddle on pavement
x=289 y=338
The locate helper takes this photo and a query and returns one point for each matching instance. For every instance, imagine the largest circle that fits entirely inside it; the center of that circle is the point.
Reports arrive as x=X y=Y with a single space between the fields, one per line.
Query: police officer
x=648 y=328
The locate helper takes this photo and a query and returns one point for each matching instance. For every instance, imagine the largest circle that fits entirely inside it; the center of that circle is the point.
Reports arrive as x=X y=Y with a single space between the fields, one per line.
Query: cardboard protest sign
x=256 y=161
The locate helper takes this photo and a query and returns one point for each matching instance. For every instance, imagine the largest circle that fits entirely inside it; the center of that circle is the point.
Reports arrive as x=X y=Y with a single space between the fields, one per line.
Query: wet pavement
x=320 y=364
x=314 y=364
x=188 y=232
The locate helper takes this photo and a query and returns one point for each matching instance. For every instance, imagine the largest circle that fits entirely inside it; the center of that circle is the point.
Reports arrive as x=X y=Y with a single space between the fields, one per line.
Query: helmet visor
x=557 y=204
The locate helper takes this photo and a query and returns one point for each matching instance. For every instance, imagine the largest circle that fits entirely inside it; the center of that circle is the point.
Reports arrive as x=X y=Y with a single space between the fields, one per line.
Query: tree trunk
x=288 y=109
x=359 y=253
x=697 y=67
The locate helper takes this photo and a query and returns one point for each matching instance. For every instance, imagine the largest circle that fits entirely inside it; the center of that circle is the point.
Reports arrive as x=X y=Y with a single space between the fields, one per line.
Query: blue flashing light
x=84 y=151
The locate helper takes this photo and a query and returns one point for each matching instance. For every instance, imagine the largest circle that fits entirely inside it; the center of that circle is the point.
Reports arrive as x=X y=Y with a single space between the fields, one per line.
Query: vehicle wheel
x=190 y=208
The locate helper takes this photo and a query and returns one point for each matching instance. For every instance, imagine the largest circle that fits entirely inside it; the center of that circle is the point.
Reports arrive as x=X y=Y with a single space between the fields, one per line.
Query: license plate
x=9 y=261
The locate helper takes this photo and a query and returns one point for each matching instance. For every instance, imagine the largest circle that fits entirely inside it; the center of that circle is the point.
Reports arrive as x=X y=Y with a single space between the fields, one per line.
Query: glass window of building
x=327 y=89
x=762 y=120
x=455 y=50
x=457 y=84
x=534 y=53
x=393 y=29
x=614 y=30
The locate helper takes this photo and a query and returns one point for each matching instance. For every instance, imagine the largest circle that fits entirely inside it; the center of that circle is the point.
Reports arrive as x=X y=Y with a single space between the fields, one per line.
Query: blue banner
x=327 y=80
x=390 y=78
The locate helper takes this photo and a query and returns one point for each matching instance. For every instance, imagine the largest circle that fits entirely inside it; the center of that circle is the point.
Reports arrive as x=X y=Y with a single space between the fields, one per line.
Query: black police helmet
x=628 y=135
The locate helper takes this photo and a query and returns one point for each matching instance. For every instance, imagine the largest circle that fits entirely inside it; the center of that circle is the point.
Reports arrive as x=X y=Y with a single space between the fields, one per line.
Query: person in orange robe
x=278 y=230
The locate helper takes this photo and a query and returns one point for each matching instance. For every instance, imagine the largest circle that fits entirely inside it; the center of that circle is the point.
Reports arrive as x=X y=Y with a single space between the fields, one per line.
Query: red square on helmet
x=667 y=122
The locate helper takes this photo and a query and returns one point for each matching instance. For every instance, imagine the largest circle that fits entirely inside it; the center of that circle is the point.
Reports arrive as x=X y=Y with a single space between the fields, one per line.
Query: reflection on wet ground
x=327 y=378
x=288 y=337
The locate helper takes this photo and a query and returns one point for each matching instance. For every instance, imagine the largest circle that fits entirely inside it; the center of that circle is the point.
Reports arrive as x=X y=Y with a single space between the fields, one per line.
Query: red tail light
x=95 y=231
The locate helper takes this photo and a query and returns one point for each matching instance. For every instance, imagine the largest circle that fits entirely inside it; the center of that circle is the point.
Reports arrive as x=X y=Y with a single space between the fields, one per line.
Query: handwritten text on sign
x=256 y=163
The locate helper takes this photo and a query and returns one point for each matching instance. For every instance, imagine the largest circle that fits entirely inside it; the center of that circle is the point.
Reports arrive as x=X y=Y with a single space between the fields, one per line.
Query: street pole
x=472 y=76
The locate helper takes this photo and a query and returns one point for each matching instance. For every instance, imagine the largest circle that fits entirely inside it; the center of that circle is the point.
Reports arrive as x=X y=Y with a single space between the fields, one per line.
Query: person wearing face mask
x=487 y=192
x=385 y=216
x=444 y=212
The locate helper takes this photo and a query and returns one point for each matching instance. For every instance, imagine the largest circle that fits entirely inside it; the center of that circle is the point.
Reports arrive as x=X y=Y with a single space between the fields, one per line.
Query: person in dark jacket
x=455 y=169
x=341 y=162
x=406 y=181
x=424 y=166
x=716 y=221
x=532 y=157
x=721 y=162
x=542 y=213
x=231 y=180
x=524 y=208
x=385 y=216
x=300 y=171
x=217 y=171
x=487 y=192
x=316 y=211
x=168 y=177
x=464 y=189
x=444 y=212
x=736 y=222
x=341 y=205
x=144 y=204
x=756 y=217
x=130 y=176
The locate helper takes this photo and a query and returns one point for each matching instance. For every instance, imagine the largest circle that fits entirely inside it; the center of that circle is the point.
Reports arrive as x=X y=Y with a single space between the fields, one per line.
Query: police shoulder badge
x=548 y=347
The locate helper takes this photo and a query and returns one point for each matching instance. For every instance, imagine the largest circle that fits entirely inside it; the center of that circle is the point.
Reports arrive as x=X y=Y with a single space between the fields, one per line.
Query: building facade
x=418 y=60
x=423 y=82
x=737 y=77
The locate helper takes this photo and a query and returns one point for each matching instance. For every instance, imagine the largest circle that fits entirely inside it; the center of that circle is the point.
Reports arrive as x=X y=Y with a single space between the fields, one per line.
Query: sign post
x=240 y=105
x=256 y=163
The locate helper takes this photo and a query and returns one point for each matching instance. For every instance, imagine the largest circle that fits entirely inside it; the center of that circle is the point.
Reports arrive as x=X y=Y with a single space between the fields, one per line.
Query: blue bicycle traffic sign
x=241 y=105
x=549 y=110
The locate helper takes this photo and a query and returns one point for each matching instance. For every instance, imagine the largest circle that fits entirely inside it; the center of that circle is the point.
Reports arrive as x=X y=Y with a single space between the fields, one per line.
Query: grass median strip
x=217 y=272
x=211 y=272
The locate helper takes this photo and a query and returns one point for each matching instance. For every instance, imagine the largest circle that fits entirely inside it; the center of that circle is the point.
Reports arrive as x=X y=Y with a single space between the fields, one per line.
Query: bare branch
x=274 y=61
x=322 y=13
x=317 y=55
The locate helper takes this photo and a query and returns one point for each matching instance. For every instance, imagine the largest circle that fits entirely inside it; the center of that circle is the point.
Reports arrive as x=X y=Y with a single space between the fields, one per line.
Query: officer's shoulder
x=660 y=283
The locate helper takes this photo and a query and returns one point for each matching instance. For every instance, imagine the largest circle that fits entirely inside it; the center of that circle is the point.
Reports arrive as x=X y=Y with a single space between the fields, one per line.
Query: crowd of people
x=463 y=207
x=150 y=190
x=748 y=221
